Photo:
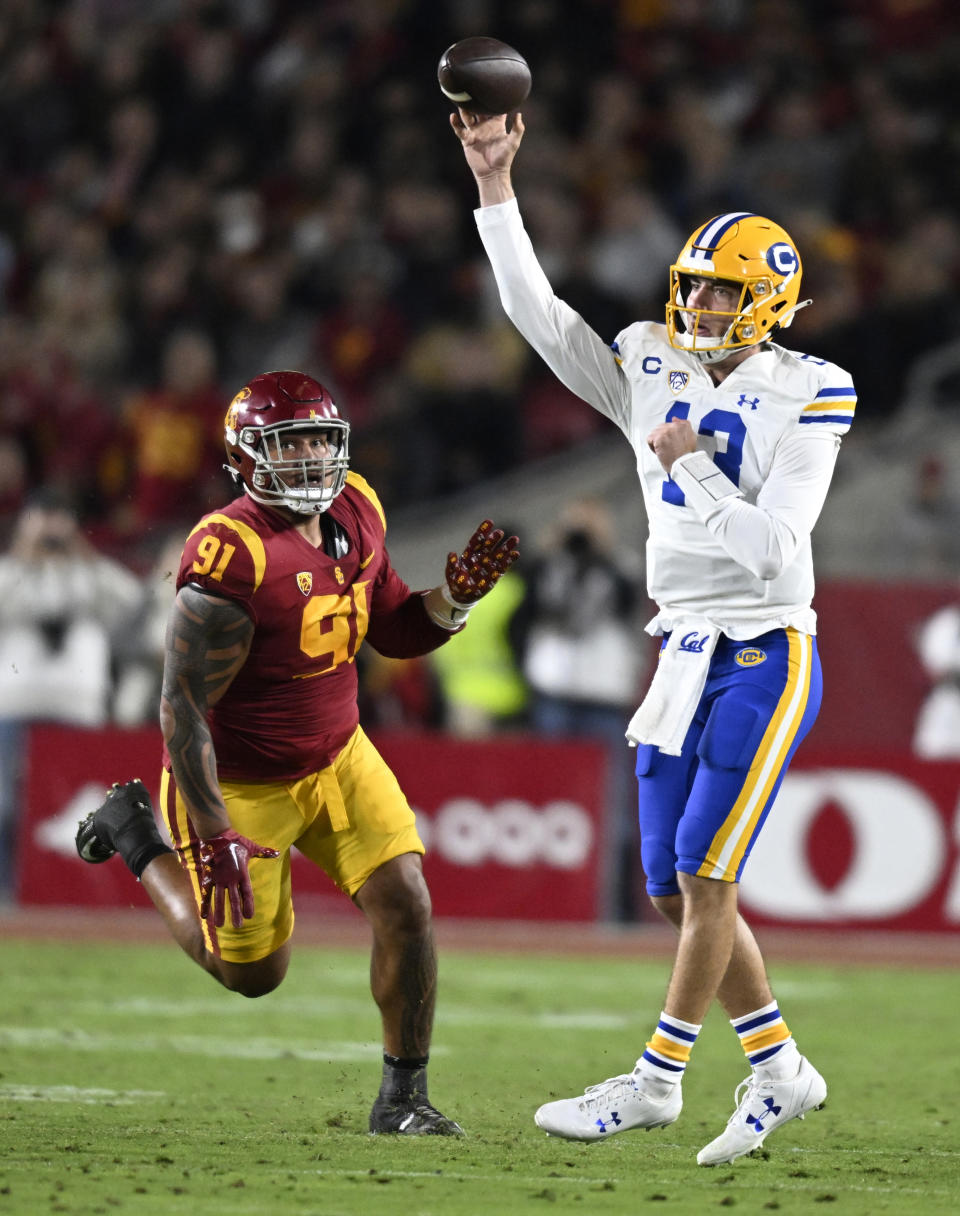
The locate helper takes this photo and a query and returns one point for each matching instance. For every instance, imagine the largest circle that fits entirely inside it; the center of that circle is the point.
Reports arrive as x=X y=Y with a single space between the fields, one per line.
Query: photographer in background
x=577 y=630
x=61 y=605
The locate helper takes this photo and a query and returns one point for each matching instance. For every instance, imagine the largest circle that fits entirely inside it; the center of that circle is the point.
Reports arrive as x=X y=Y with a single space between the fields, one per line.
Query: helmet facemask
x=683 y=322
x=304 y=486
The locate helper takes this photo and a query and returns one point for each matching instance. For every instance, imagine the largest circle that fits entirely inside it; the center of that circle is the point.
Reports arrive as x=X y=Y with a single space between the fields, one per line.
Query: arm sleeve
x=399 y=627
x=764 y=537
x=575 y=353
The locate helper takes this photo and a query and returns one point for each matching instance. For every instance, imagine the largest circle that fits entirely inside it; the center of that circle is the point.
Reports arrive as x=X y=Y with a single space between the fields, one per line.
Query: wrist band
x=702 y=480
x=456 y=613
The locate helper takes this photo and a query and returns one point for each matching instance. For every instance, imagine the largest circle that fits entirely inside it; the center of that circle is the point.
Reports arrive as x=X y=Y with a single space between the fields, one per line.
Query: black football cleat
x=410 y=1117
x=125 y=818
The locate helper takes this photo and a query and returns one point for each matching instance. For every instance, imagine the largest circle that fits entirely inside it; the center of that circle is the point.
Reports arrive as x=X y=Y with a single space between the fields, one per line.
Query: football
x=484 y=75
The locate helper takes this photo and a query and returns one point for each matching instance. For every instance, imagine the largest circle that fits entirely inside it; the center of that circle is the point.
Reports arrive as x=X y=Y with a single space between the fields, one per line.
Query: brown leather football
x=484 y=75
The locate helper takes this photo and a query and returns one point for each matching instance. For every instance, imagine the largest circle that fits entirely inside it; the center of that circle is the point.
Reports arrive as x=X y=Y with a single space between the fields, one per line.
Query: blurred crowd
x=194 y=191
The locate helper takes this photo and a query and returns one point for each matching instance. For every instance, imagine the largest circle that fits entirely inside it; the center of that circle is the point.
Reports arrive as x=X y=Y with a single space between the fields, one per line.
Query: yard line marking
x=72 y=1093
x=582 y=1021
x=462 y=1015
x=250 y=1049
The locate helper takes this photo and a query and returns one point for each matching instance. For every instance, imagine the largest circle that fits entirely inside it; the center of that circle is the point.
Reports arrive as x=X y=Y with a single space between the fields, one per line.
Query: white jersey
x=729 y=531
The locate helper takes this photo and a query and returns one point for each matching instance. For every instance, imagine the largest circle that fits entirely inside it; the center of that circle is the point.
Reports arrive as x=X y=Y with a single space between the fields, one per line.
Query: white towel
x=667 y=710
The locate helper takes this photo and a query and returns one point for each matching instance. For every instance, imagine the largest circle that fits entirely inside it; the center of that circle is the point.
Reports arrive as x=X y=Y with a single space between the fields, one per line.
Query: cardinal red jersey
x=293 y=704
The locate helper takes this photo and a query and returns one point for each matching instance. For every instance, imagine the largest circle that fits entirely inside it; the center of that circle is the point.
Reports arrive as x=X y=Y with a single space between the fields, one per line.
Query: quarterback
x=263 y=749
x=736 y=438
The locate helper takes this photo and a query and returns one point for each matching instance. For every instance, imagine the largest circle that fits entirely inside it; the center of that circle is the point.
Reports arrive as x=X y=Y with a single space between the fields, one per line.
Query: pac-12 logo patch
x=678 y=380
x=750 y=657
x=305 y=581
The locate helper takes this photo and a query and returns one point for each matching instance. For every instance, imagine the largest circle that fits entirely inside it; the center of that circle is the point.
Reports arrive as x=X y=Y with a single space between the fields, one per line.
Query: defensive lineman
x=263 y=748
x=736 y=439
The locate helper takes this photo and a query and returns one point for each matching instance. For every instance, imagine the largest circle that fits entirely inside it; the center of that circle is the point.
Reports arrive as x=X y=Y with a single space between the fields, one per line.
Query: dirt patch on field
x=626 y=941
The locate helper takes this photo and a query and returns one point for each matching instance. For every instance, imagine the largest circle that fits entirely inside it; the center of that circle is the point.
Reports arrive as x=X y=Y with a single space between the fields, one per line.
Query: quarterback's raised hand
x=488 y=145
x=224 y=874
x=470 y=575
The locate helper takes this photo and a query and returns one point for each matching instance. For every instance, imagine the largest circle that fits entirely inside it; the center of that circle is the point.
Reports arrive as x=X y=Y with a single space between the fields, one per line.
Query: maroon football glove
x=487 y=557
x=223 y=872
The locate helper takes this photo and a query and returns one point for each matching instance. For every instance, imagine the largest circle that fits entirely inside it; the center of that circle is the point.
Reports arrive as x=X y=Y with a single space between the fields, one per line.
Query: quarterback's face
x=712 y=304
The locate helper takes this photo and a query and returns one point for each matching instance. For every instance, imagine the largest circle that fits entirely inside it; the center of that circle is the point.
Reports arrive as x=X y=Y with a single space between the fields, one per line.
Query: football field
x=130 y=1083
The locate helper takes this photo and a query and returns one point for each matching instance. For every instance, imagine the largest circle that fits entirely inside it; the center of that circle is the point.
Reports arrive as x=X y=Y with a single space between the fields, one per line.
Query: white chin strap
x=709 y=354
x=313 y=501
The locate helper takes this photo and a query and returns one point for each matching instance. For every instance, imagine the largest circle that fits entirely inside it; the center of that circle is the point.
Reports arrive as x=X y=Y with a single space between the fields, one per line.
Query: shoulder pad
x=367 y=491
x=225 y=556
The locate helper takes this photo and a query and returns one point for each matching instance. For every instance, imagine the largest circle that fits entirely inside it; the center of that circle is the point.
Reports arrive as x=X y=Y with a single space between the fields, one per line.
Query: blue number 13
x=728 y=462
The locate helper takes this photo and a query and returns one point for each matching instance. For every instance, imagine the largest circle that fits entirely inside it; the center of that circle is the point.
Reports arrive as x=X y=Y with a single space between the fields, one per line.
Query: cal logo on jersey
x=305 y=581
x=750 y=657
x=678 y=380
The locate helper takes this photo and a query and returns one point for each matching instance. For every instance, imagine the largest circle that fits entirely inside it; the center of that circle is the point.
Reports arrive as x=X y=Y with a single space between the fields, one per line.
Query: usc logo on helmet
x=233 y=409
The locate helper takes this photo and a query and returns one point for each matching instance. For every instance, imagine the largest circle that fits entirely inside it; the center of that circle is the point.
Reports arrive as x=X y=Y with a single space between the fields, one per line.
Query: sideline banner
x=858 y=839
x=511 y=825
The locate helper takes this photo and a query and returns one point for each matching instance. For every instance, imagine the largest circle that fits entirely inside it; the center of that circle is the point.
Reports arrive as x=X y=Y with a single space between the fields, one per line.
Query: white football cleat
x=765 y=1106
x=616 y=1105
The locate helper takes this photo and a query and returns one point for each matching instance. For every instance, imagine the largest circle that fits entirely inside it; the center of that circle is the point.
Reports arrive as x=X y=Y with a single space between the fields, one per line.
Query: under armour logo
x=743 y=401
x=613 y=1121
x=693 y=642
x=756 y=1121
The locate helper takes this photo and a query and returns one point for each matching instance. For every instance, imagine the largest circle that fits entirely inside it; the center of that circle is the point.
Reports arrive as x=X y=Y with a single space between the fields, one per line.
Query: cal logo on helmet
x=750 y=657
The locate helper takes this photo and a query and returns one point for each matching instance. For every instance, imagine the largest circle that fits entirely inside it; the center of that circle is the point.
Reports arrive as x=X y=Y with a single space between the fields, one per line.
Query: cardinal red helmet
x=262 y=419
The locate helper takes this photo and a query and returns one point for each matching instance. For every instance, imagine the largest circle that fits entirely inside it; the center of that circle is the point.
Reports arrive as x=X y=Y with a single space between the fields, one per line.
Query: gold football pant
x=348 y=819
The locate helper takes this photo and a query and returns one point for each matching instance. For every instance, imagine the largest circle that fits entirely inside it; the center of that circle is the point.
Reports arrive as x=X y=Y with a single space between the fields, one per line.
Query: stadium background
x=194 y=192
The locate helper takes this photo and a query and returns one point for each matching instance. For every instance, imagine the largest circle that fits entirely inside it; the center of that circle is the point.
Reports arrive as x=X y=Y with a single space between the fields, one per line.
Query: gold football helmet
x=752 y=254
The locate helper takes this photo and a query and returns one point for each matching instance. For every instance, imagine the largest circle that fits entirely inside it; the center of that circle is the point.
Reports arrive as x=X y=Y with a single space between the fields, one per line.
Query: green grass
x=131 y=1084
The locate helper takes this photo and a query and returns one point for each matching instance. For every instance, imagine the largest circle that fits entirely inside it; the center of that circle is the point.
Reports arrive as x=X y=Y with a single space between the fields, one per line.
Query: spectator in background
x=176 y=441
x=139 y=647
x=929 y=527
x=266 y=330
x=62 y=604
x=465 y=374
x=578 y=638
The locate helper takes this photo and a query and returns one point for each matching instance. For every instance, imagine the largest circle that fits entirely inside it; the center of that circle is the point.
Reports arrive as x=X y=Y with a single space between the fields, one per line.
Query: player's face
x=309 y=449
x=712 y=304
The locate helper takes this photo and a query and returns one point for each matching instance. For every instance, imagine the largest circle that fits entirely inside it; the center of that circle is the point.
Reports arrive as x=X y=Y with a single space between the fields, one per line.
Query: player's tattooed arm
x=208 y=640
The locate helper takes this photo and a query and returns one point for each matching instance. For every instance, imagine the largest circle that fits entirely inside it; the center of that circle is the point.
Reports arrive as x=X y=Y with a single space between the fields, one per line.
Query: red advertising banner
x=874 y=682
x=512 y=826
x=858 y=839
